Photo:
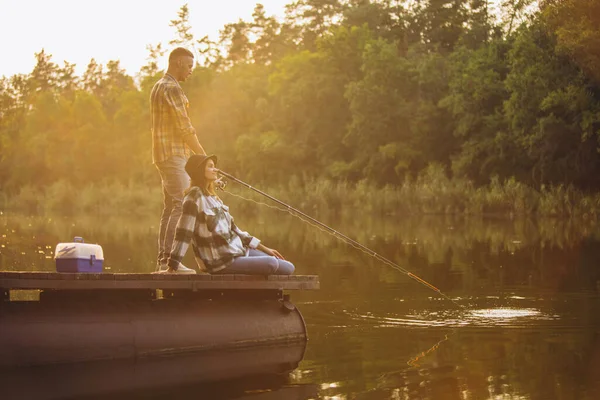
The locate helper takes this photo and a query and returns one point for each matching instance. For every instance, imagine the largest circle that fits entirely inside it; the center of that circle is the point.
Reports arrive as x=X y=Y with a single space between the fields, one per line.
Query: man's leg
x=164 y=221
x=174 y=182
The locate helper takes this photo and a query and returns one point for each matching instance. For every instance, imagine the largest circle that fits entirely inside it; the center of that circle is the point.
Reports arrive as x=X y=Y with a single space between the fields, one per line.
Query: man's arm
x=177 y=101
x=193 y=143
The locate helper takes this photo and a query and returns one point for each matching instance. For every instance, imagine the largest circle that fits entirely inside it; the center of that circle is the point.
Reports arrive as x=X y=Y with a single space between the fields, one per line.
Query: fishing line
x=413 y=361
x=325 y=228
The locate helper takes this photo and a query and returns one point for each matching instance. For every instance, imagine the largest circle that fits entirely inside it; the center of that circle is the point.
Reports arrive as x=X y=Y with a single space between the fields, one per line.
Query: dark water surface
x=528 y=327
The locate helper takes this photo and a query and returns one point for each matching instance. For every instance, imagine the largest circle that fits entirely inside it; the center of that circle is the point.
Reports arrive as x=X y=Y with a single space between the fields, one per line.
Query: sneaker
x=181 y=270
x=160 y=268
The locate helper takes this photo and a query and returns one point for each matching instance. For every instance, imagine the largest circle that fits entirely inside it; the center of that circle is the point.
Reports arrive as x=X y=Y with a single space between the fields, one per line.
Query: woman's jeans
x=174 y=182
x=259 y=263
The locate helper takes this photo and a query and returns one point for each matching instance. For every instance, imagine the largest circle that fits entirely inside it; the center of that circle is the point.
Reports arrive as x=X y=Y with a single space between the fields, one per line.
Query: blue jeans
x=259 y=263
x=174 y=182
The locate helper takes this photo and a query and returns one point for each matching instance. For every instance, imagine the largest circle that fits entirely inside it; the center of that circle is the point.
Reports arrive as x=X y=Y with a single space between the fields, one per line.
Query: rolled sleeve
x=247 y=239
x=254 y=242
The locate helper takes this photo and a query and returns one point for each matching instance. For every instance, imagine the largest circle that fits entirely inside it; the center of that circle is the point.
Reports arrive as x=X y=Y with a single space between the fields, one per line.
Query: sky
x=79 y=30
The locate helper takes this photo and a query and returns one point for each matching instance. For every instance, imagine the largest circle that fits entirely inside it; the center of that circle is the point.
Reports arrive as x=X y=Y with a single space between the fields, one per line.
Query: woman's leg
x=259 y=263
x=284 y=267
x=252 y=265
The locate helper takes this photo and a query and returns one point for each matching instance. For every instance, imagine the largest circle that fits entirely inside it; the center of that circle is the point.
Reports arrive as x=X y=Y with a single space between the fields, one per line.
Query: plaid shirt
x=170 y=120
x=207 y=224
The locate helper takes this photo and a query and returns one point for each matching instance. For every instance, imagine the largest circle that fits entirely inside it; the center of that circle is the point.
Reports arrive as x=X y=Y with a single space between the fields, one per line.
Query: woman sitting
x=216 y=240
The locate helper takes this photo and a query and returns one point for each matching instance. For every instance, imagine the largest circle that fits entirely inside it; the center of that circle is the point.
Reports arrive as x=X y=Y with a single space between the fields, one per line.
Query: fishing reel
x=221 y=184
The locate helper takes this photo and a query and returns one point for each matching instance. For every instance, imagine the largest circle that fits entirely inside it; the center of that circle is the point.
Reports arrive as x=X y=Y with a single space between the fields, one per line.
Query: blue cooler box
x=78 y=257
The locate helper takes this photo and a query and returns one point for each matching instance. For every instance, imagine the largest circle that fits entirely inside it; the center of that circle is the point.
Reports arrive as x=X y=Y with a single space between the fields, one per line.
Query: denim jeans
x=174 y=182
x=259 y=263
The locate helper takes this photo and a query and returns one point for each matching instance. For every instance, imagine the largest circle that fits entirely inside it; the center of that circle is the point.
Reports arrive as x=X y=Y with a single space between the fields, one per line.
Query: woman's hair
x=196 y=170
x=207 y=187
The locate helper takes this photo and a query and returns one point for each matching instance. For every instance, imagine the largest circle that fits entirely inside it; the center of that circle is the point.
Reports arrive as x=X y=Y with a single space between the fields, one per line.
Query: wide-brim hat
x=195 y=165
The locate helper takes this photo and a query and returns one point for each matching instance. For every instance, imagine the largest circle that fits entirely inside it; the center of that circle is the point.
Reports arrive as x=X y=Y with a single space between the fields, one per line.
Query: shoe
x=160 y=268
x=181 y=270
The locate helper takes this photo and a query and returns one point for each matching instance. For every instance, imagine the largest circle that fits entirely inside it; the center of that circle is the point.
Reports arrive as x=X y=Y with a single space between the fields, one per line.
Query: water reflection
x=246 y=371
x=530 y=328
x=485 y=318
x=495 y=314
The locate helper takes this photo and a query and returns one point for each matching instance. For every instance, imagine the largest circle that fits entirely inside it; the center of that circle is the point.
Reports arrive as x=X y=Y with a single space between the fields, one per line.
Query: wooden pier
x=129 y=281
x=84 y=317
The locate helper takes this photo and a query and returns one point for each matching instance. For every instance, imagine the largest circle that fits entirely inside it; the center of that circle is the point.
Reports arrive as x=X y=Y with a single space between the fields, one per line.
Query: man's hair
x=179 y=52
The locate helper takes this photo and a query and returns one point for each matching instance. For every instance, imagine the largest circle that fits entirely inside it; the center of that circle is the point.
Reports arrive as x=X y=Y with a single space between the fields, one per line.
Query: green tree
x=235 y=38
x=382 y=106
x=475 y=100
x=577 y=28
x=311 y=18
x=443 y=23
x=272 y=39
x=184 y=36
x=44 y=76
x=550 y=114
x=151 y=69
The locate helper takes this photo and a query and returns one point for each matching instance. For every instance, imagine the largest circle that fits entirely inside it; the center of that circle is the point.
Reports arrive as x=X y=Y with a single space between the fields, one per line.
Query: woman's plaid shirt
x=208 y=226
x=170 y=120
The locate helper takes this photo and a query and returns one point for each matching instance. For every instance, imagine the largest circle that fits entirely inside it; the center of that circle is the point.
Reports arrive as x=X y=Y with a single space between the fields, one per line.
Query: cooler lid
x=77 y=249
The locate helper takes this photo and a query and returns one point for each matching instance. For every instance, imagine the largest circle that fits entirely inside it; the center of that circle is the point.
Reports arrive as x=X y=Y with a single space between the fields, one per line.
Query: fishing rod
x=340 y=235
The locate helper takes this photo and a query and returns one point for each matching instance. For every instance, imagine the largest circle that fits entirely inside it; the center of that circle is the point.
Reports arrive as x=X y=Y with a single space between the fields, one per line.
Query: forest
x=408 y=106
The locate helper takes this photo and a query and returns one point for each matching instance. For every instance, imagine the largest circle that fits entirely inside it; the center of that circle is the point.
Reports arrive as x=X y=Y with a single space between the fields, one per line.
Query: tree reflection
x=545 y=265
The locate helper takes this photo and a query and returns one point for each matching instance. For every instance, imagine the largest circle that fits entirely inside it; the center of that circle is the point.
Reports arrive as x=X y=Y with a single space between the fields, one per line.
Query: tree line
x=343 y=90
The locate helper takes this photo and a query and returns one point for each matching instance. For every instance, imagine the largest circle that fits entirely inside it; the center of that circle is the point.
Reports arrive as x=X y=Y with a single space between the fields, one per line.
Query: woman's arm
x=269 y=251
x=247 y=239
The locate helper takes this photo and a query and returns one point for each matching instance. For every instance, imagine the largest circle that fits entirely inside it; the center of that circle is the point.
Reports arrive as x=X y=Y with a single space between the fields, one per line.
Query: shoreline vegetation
x=357 y=109
x=432 y=192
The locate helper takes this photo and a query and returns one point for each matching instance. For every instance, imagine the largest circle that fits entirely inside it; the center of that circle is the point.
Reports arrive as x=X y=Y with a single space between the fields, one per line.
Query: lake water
x=526 y=325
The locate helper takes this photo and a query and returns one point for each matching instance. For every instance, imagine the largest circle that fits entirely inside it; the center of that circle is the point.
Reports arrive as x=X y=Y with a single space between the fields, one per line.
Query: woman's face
x=210 y=172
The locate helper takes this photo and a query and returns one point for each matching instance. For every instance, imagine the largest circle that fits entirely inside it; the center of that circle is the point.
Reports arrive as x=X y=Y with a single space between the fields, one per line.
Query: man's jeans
x=174 y=182
x=259 y=263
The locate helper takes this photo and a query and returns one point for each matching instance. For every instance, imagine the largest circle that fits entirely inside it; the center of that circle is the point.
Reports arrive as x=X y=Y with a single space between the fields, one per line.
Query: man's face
x=185 y=65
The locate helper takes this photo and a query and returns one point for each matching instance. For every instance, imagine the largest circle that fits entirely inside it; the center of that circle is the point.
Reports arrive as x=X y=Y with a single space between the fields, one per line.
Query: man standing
x=173 y=140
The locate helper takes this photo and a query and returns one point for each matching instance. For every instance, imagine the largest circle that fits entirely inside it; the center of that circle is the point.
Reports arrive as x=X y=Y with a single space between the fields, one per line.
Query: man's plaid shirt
x=170 y=120
x=207 y=224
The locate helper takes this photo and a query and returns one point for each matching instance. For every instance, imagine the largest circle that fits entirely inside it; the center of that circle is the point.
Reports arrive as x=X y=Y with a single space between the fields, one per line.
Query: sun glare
x=505 y=313
x=77 y=31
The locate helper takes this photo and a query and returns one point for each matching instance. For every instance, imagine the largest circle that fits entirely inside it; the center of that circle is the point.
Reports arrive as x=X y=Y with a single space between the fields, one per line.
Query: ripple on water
x=489 y=317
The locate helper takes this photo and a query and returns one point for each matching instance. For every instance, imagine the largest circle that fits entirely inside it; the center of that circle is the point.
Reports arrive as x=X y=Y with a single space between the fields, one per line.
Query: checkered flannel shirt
x=170 y=120
x=208 y=226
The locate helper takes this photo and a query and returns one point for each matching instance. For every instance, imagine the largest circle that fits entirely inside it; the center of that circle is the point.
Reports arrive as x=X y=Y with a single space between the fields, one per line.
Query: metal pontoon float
x=83 y=317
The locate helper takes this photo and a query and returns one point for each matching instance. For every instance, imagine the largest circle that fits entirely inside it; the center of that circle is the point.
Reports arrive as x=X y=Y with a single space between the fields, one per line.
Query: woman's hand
x=220 y=183
x=273 y=252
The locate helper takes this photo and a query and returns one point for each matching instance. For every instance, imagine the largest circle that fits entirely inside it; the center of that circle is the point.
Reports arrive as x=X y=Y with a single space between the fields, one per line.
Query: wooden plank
x=73 y=281
x=226 y=277
x=138 y=276
x=171 y=284
x=238 y=277
x=280 y=277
